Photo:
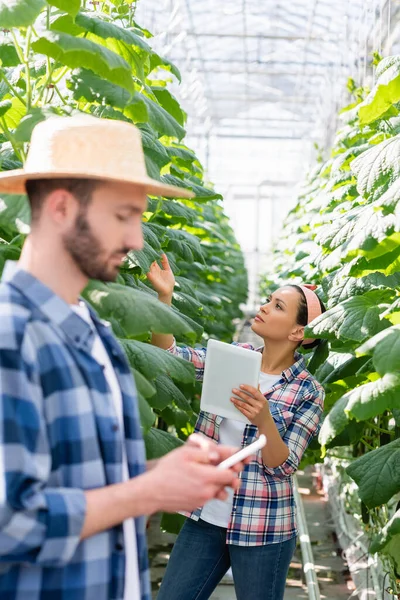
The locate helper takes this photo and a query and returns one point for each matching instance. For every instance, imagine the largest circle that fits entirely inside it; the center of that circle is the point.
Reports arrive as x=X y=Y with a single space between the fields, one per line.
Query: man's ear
x=62 y=207
x=297 y=334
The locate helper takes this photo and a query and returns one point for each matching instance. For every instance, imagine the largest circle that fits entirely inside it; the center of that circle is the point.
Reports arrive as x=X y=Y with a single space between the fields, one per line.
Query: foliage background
x=344 y=233
x=66 y=56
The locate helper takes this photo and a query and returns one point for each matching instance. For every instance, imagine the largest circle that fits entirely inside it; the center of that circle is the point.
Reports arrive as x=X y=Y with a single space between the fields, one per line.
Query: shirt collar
x=295 y=370
x=51 y=306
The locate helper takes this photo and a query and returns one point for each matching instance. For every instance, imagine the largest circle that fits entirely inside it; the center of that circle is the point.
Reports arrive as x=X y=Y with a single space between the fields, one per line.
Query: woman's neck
x=277 y=358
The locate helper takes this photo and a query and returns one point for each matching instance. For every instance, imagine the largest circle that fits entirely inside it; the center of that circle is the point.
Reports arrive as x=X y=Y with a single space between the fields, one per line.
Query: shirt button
x=119 y=547
x=114 y=427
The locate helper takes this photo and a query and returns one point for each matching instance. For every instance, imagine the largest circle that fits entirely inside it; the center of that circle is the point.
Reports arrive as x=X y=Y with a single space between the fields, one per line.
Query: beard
x=88 y=253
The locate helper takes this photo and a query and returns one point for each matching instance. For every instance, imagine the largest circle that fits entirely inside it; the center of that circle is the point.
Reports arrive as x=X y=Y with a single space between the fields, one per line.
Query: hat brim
x=13 y=182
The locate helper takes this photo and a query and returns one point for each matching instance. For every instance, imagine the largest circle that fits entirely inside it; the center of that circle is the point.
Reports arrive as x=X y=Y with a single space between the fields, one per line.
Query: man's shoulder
x=15 y=314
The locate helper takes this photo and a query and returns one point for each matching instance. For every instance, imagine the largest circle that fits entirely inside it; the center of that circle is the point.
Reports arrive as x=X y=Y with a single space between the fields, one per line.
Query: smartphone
x=243 y=453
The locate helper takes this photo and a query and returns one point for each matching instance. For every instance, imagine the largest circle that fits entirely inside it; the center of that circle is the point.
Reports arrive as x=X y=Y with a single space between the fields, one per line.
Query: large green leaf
x=361 y=228
x=80 y=52
x=86 y=84
x=202 y=193
x=14 y=213
x=143 y=385
x=147 y=416
x=373 y=398
x=136 y=312
x=71 y=7
x=167 y=101
x=355 y=319
x=385 y=347
x=107 y=29
x=378 y=168
x=8 y=55
x=385 y=93
x=152 y=361
x=159 y=443
x=344 y=287
x=19 y=13
x=31 y=119
x=161 y=120
x=168 y=393
x=377 y=474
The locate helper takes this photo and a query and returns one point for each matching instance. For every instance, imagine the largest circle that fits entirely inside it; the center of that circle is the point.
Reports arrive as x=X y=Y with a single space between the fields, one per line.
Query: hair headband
x=313 y=306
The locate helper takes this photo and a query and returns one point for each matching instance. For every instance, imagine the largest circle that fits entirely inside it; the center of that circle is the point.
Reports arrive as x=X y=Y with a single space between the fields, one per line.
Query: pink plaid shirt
x=263 y=510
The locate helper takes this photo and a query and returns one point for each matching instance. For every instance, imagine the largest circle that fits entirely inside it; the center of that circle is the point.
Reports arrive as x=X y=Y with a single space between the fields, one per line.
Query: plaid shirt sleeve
x=299 y=433
x=39 y=524
x=197 y=356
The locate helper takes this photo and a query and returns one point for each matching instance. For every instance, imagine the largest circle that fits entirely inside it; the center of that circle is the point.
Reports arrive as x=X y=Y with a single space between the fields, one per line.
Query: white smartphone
x=243 y=453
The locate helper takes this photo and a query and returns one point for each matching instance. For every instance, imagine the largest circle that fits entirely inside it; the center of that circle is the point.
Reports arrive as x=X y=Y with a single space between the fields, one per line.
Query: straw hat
x=85 y=147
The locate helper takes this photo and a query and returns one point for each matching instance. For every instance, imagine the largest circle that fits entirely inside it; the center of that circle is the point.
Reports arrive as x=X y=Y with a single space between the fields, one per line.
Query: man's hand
x=187 y=477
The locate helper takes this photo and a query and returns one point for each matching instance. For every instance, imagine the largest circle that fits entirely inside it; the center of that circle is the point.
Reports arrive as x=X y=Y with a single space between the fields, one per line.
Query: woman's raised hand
x=162 y=278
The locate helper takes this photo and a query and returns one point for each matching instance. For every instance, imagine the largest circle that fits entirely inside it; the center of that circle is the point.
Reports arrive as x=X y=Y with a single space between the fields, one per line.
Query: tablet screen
x=227 y=367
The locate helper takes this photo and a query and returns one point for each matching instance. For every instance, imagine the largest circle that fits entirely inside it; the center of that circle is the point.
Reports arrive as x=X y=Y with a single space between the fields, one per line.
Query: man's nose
x=134 y=238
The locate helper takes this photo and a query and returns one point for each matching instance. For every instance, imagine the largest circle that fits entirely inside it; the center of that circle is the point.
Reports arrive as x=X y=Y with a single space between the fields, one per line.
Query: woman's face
x=277 y=318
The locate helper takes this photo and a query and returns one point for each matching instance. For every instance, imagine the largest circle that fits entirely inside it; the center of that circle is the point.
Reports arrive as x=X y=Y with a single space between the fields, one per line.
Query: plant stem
x=367 y=445
x=19 y=152
x=377 y=428
x=12 y=88
x=27 y=69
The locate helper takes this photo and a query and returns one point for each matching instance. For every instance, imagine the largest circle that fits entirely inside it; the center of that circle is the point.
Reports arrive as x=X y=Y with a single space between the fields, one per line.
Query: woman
x=254 y=530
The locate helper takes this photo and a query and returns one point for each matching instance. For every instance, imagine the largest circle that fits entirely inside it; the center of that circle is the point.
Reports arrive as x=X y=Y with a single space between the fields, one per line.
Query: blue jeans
x=201 y=557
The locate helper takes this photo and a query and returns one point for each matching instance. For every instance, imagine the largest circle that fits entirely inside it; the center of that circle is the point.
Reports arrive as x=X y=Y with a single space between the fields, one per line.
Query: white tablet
x=227 y=367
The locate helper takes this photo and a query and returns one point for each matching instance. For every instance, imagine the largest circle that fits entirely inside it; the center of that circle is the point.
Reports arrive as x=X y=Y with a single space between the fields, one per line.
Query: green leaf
x=107 y=29
x=378 y=167
x=159 y=443
x=345 y=287
x=172 y=523
x=355 y=319
x=152 y=361
x=202 y=193
x=149 y=110
x=143 y=385
x=14 y=213
x=147 y=416
x=86 y=84
x=136 y=312
x=377 y=474
x=80 y=52
x=71 y=7
x=373 y=398
x=385 y=347
x=385 y=93
x=143 y=258
x=388 y=540
x=14 y=114
x=19 y=13
x=5 y=106
x=167 y=101
x=359 y=229
x=167 y=394
x=8 y=252
x=8 y=55
x=31 y=119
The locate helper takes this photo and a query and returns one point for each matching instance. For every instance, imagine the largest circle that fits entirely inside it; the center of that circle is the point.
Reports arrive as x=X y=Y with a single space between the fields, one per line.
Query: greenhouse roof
x=262 y=82
x=260 y=68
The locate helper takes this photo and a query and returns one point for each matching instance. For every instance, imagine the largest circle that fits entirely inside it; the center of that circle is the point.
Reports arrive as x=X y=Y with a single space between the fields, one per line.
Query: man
x=74 y=485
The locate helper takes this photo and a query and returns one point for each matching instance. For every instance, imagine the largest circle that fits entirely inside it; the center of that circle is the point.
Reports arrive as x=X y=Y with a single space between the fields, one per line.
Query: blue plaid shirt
x=59 y=436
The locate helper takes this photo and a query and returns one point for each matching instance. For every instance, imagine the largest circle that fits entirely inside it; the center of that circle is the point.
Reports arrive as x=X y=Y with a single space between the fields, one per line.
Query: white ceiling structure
x=262 y=83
